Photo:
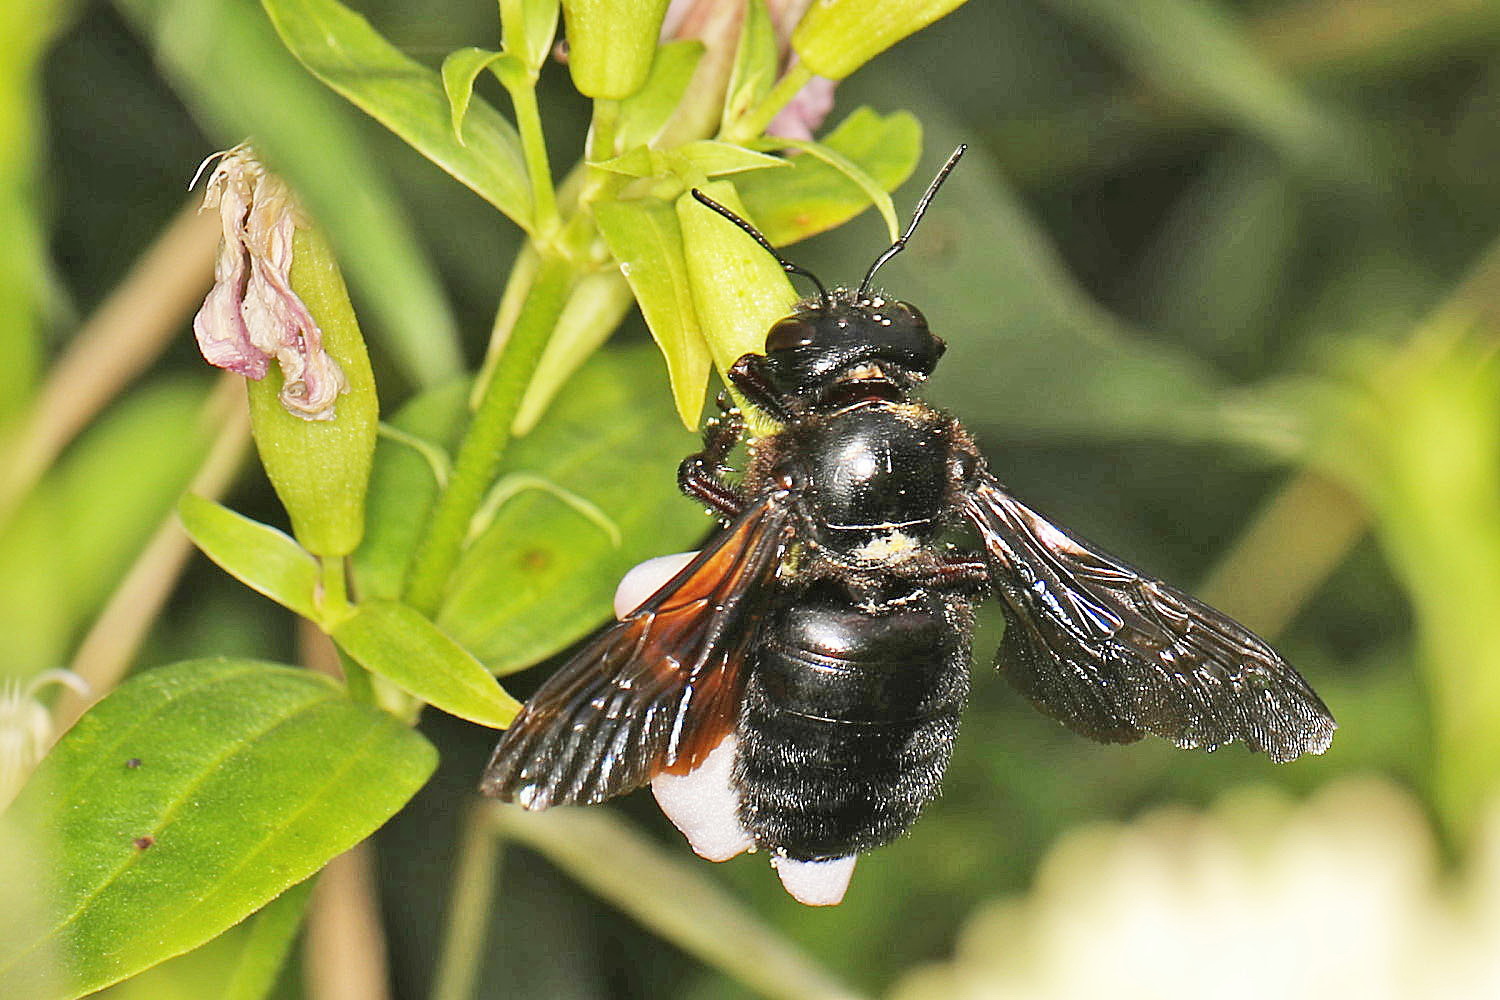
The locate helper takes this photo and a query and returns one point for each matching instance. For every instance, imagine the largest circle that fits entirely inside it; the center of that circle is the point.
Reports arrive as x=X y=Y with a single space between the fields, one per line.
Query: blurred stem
x=344 y=955
x=272 y=932
x=487 y=436
x=116 y=635
x=124 y=336
x=534 y=148
x=671 y=895
x=469 y=905
x=754 y=122
x=357 y=680
x=606 y=120
x=1294 y=543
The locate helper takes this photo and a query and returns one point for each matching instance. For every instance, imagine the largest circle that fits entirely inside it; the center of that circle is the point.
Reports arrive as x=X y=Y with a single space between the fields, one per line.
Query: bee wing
x=1113 y=653
x=656 y=691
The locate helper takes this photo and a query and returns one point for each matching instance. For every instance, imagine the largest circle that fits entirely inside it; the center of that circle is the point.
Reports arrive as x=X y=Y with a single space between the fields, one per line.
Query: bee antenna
x=786 y=265
x=916 y=217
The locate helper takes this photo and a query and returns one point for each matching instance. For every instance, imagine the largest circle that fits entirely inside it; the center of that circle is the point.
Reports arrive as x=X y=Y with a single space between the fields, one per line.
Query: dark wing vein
x=1114 y=654
x=654 y=692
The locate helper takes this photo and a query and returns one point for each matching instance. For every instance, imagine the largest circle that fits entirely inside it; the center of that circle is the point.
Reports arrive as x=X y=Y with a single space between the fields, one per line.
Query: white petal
x=816 y=883
x=645 y=579
x=704 y=805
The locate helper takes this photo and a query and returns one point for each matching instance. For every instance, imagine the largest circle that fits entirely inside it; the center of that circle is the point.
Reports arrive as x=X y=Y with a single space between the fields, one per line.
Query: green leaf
x=340 y=48
x=638 y=161
x=527 y=28
x=234 y=73
x=595 y=307
x=542 y=574
x=813 y=196
x=460 y=70
x=644 y=114
x=66 y=548
x=395 y=641
x=259 y=556
x=186 y=800
x=272 y=932
x=1194 y=51
x=403 y=488
x=755 y=59
x=645 y=238
x=718 y=159
x=871 y=189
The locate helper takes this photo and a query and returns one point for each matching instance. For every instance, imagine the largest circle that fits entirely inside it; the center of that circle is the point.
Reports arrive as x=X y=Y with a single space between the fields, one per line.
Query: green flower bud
x=279 y=297
x=837 y=37
x=611 y=44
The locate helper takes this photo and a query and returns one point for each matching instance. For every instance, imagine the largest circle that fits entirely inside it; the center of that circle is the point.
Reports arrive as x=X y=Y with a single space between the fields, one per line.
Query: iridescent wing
x=656 y=691
x=1114 y=654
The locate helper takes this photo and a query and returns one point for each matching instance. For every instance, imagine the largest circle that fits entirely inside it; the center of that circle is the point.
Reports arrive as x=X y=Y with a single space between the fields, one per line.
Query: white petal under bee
x=816 y=883
x=644 y=579
x=705 y=805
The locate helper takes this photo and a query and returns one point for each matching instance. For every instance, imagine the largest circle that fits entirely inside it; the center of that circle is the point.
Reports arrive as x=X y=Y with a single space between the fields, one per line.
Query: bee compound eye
x=789 y=334
x=913 y=314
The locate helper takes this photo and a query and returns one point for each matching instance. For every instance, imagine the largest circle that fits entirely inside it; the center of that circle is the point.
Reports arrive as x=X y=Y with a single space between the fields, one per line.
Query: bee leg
x=750 y=377
x=957 y=574
x=700 y=475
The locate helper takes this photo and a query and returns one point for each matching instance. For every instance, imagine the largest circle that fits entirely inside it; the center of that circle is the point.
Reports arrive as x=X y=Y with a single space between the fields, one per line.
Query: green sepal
x=836 y=37
x=321 y=468
x=755 y=60
x=646 y=238
x=738 y=289
x=646 y=113
x=527 y=28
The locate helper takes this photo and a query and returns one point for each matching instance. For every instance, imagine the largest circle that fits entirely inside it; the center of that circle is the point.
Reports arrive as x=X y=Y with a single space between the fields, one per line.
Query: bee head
x=851 y=335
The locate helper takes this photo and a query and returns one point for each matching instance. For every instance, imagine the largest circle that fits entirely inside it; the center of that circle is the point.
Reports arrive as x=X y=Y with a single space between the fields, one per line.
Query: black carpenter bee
x=797 y=686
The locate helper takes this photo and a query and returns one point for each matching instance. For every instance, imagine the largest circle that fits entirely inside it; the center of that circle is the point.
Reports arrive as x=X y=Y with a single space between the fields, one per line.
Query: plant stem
x=468 y=908
x=534 y=148
x=485 y=440
x=754 y=122
x=602 y=130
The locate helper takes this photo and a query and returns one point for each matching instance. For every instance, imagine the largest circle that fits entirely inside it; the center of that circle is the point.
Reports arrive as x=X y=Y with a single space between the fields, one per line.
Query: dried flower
x=251 y=315
x=26 y=727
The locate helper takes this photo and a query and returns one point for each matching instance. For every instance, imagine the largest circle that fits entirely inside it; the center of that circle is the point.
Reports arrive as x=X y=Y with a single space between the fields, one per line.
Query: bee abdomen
x=848 y=722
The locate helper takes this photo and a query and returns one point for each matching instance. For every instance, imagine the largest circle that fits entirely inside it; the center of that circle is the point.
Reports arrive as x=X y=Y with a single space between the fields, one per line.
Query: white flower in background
x=1343 y=896
x=251 y=315
x=26 y=727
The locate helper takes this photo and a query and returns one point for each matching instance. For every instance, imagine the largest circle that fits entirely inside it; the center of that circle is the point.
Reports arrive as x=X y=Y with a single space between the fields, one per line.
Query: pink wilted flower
x=251 y=315
x=718 y=24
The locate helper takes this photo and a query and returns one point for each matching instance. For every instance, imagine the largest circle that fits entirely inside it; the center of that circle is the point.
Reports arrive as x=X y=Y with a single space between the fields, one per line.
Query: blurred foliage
x=1202 y=253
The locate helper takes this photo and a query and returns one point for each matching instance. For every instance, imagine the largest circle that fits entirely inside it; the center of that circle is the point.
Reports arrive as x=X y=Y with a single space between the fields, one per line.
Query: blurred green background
x=1220 y=292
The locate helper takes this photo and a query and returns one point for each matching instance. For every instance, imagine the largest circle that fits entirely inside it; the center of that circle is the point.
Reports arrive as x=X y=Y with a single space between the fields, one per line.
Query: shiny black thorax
x=861 y=667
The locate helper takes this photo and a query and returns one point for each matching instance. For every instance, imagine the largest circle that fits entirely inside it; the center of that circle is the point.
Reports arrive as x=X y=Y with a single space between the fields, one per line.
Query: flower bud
x=611 y=44
x=837 y=37
x=279 y=295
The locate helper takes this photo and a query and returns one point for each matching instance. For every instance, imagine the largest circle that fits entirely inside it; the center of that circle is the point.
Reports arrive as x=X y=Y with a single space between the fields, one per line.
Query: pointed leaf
x=259 y=556
x=717 y=159
x=186 y=800
x=813 y=196
x=340 y=48
x=395 y=641
x=460 y=69
x=645 y=238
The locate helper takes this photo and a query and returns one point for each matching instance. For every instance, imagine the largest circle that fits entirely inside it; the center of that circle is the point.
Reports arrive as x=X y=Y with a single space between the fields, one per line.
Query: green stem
x=534 y=148
x=754 y=121
x=602 y=130
x=333 y=596
x=486 y=438
x=468 y=909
